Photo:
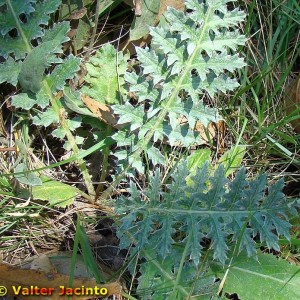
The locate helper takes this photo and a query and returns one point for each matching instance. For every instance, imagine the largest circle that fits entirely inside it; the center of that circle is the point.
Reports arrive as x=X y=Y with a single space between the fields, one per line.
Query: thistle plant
x=167 y=226
x=24 y=24
x=192 y=55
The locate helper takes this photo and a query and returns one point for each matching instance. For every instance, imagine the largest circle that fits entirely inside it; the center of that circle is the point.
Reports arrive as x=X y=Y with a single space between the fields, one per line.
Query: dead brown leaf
x=177 y=4
x=100 y=110
x=292 y=101
x=38 y=284
x=208 y=133
x=145 y=40
x=78 y=14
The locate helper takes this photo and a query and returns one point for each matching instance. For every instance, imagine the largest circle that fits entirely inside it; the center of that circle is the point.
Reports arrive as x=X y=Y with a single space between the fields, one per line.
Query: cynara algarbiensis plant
x=192 y=55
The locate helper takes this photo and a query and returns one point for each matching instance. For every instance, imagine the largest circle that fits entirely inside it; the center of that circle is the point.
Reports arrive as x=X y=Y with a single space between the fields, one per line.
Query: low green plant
x=21 y=28
x=189 y=235
x=166 y=227
x=105 y=84
x=191 y=57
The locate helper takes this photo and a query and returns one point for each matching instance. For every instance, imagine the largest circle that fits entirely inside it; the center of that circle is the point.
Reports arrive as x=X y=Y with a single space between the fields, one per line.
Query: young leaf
x=196 y=160
x=37 y=13
x=232 y=158
x=105 y=75
x=48 y=192
x=28 y=177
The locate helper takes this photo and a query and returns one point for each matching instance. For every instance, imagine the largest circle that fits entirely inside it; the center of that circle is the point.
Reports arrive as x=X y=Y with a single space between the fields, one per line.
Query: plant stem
x=20 y=30
x=105 y=153
x=172 y=98
x=179 y=272
x=60 y=111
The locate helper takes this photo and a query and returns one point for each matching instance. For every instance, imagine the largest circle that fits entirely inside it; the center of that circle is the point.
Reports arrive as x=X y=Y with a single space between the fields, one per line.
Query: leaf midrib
x=24 y=38
x=163 y=112
x=174 y=94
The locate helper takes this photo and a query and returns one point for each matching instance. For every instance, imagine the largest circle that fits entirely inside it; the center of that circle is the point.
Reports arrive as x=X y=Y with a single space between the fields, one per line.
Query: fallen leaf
x=42 y=263
x=292 y=101
x=14 y=279
x=177 y=4
x=100 y=111
x=23 y=204
x=145 y=38
x=20 y=214
x=208 y=133
x=77 y=14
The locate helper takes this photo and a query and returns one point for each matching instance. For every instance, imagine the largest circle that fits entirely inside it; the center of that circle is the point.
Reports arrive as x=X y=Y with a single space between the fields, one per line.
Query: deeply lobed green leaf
x=191 y=56
x=212 y=208
x=104 y=76
x=36 y=13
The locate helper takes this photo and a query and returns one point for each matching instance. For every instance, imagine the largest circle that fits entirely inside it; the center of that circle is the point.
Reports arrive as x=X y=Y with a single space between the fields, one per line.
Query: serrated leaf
x=67 y=146
x=46 y=118
x=59 y=132
x=130 y=114
x=155 y=156
x=42 y=97
x=180 y=135
x=28 y=177
x=79 y=140
x=7 y=19
x=36 y=14
x=33 y=67
x=104 y=76
x=74 y=123
x=56 y=35
x=193 y=55
x=62 y=72
x=223 y=212
x=56 y=193
x=232 y=158
x=9 y=71
x=24 y=100
x=264 y=278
